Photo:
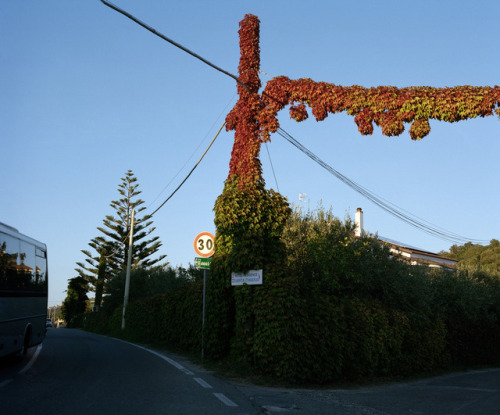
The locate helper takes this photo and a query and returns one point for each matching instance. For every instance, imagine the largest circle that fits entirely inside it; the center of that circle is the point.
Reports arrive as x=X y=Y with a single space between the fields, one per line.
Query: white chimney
x=358 y=221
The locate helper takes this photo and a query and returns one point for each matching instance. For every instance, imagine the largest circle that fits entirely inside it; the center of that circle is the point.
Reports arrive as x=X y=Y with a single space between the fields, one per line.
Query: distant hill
x=475 y=257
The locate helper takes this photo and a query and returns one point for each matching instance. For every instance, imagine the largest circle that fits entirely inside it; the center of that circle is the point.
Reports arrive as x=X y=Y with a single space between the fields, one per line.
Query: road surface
x=79 y=373
x=75 y=373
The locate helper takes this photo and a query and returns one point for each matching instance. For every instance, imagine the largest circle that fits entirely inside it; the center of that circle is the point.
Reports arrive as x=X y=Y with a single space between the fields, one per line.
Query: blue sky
x=86 y=95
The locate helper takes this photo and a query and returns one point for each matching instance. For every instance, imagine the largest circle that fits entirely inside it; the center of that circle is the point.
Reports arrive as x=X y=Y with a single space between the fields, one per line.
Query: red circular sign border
x=196 y=240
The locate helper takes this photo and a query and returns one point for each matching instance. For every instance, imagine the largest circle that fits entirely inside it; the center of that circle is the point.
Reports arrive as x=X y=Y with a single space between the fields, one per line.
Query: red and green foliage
x=249 y=218
x=386 y=106
x=364 y=326
x=338 y=307
x=243 y=118
x=332 y=306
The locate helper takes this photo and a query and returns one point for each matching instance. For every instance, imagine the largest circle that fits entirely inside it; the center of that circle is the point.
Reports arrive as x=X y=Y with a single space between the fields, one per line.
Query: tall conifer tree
x=108 y=257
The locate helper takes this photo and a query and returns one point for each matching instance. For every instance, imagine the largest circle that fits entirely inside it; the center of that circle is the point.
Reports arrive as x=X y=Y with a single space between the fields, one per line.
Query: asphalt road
x=469 y=393
x=81 y=373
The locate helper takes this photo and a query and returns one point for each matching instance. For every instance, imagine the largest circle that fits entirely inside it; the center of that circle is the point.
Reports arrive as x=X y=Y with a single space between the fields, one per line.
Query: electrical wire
x=385 y=205
x=192 y=170
x=380 y=202
x=193 y=153
x=272 y=168
x=162 y=36
x=118 y=246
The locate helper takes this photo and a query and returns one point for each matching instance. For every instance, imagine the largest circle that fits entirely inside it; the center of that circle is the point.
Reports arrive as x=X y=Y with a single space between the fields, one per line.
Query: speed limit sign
x=204 y=244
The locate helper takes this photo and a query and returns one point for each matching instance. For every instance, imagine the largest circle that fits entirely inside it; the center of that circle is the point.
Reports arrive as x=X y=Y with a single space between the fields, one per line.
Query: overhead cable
x=382 y=203
x=272 y=168
x=162 y=36
x=193 y=153
x=192 y=170
x=385 y=205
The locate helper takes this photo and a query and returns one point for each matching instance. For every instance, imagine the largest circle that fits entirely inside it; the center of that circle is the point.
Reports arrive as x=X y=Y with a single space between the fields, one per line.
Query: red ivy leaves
x=298 y=112
x=386 y=106
x=254 y=116
x=243 y=118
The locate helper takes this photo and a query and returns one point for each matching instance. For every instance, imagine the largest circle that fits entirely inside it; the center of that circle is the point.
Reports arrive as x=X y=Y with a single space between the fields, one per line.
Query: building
x=414 y=256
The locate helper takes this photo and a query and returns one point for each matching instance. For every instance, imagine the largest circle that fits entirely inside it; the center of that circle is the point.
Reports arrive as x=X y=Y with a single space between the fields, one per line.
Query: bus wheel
x=26 y=342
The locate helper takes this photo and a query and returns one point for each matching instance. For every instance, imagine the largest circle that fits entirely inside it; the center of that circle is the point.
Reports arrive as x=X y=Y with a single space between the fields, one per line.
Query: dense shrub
x=470 y=306
x=249 y=222
x=158 y=300
x=334 y=307
x=146 y=282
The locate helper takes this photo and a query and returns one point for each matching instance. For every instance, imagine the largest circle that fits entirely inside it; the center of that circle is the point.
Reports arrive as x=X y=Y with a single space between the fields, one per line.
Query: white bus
x=23 y=291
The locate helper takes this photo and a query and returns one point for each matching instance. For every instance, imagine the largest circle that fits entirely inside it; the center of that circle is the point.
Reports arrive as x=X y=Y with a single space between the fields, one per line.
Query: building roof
x=418 y=256
x=414 y=256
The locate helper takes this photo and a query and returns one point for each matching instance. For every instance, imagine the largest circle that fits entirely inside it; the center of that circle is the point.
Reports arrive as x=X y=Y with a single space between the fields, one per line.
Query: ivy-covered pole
x=247 y=215
x=249 y=219
x=245 y=167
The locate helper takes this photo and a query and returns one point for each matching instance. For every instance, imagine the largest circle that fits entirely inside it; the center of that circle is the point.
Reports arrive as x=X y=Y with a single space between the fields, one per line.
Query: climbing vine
x=386 y=106
x=243 y=118
x=249 y=219
x=259 y=323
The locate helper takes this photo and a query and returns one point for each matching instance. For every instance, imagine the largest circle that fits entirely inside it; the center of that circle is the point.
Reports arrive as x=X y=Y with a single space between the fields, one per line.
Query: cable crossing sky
x=380 y=202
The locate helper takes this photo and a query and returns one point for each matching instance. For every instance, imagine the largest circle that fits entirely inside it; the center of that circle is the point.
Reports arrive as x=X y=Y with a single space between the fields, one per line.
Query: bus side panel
x=26 y=319
x=23 y=292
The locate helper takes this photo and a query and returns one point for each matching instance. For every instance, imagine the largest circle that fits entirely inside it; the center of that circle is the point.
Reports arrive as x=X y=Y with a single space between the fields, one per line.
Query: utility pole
x=129 y=262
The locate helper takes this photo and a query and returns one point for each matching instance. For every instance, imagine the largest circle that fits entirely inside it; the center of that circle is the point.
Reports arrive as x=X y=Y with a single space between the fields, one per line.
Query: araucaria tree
x=108 y=256
x=255 y=322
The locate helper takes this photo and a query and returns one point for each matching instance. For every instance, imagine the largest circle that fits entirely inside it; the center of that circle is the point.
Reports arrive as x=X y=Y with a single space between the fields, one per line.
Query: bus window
x=40 y=269
x=9 y=248
x=26 y=270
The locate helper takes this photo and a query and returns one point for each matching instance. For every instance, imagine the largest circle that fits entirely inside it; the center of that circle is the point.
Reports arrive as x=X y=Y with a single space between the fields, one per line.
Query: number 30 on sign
x=204 y=244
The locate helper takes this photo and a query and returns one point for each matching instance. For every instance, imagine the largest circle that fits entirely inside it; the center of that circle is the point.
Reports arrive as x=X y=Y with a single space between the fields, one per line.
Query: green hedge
x=173 y=319
x=334 y=307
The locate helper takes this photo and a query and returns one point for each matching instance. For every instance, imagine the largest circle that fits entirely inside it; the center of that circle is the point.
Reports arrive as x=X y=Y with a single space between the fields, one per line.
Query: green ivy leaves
x=386 y=106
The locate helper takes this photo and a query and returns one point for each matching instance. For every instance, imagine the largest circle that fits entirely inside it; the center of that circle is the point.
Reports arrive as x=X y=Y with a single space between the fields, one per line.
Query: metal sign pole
x=204 y=247
x=203 y=316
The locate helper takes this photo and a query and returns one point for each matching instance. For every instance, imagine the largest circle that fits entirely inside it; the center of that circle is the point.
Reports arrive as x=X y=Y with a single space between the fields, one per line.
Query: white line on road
x=32 y=360
x=5 y=382
x=224 y=399
x=202 y=383
x=167 y=359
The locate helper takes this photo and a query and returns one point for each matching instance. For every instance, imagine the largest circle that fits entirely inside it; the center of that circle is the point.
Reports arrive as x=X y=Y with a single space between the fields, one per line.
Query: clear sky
x=86 y=94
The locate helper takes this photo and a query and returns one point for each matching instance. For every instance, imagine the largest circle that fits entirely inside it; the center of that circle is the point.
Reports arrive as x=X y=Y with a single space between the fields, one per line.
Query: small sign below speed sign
x=204 y=244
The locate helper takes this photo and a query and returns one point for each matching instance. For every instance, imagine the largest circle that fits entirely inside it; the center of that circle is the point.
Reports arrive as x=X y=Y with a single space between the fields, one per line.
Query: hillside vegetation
x=477 y=258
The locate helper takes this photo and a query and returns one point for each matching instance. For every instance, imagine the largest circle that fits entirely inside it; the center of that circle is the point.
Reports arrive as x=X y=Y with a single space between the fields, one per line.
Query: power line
x=272 y=168
x=162 y=36
x=385 y=205
x=382 y=203
x=192 y=170
x=193 y=153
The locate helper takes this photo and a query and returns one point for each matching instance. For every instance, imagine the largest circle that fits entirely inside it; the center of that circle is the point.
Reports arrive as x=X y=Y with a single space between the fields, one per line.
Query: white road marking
x=224 y=399
x=5 y=382
x=32 y=360
x=167 y=359
x=202 y=383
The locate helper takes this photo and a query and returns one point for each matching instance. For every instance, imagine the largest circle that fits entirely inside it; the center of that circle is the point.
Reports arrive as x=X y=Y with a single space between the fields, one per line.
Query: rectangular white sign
x=252 y=277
